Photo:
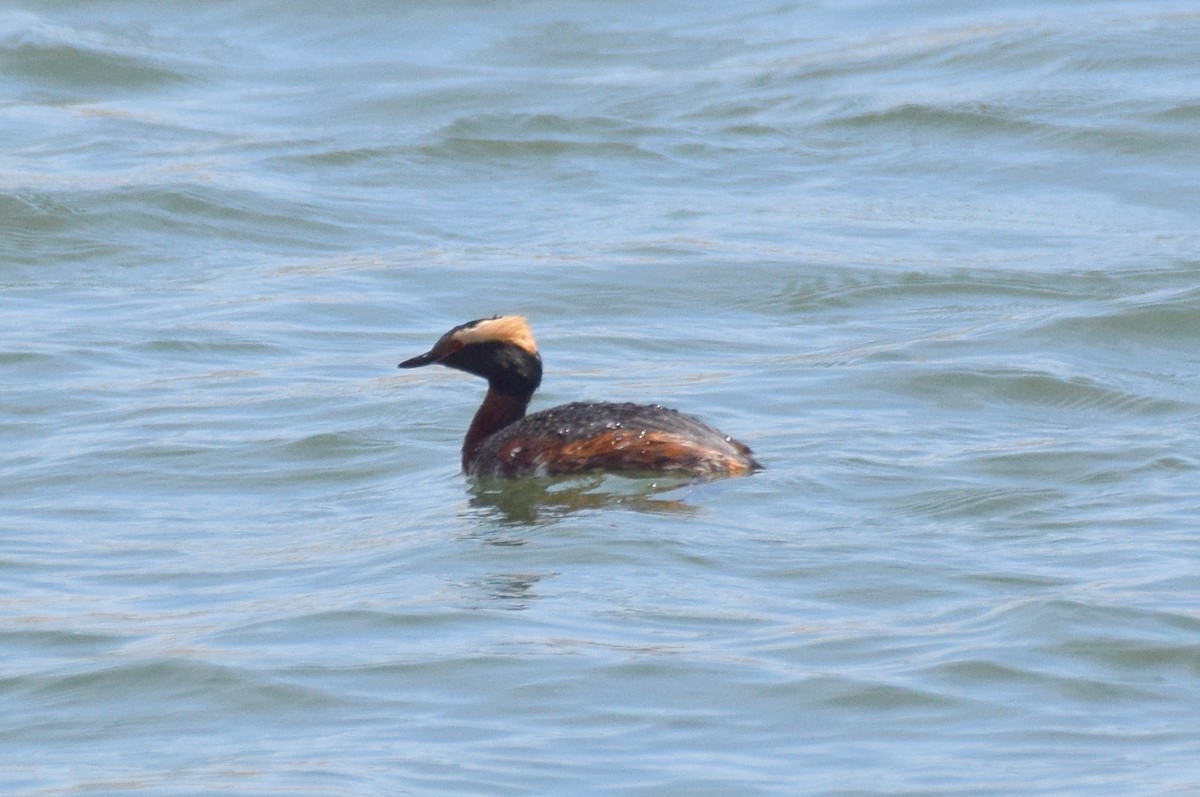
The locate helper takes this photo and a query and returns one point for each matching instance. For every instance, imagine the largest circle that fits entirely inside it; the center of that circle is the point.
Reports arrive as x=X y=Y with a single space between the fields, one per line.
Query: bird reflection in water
x=526 y=502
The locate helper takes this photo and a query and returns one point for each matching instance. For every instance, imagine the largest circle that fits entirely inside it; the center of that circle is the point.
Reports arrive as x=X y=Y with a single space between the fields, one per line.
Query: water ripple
x=60 y=57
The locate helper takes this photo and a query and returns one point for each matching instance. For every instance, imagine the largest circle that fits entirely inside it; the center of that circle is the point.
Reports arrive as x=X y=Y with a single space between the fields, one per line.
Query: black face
x=507 y=367
x=445 y=346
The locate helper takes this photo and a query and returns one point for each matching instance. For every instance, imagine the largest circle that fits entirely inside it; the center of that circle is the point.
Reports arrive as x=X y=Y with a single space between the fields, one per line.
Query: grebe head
x=501 y=349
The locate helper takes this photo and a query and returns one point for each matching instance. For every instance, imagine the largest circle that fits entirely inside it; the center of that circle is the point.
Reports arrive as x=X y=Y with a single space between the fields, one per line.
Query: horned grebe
x=572 y=438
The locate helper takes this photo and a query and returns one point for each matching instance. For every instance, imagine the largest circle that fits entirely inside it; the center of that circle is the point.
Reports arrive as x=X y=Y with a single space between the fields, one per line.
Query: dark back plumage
x=588 y=436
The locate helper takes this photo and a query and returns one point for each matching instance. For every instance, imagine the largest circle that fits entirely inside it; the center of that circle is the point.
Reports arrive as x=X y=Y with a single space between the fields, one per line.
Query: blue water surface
x=937 y=264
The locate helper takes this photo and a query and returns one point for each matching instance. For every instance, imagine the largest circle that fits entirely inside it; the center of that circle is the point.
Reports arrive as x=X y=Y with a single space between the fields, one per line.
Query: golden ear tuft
x=511 y=329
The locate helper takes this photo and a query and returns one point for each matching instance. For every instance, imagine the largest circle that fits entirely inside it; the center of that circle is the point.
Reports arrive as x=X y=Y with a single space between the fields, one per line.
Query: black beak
x=421 y=359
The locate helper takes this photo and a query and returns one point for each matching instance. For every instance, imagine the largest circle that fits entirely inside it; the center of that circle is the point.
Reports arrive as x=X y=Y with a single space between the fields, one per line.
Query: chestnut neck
x=497 y=411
